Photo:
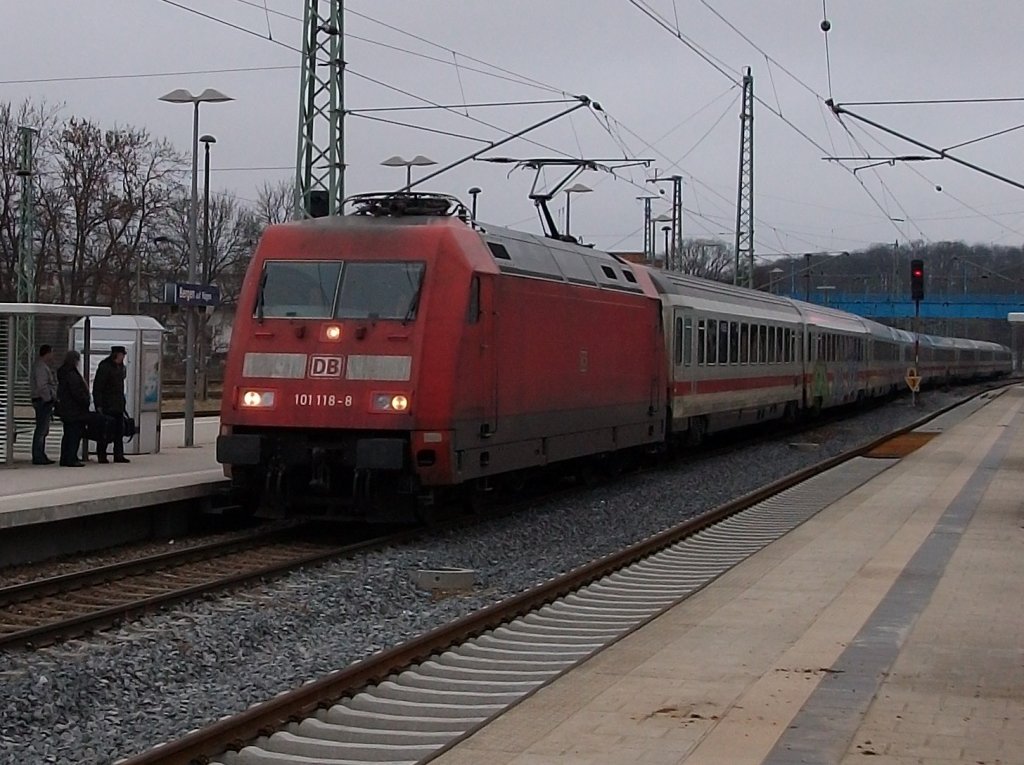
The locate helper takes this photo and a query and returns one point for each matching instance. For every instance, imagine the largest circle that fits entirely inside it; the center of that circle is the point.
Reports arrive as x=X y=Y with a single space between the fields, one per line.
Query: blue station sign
x=185 y=294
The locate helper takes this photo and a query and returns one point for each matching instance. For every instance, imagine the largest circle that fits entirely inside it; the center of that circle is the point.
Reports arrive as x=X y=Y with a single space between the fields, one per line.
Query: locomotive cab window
x=380 y=290
x=300 y=289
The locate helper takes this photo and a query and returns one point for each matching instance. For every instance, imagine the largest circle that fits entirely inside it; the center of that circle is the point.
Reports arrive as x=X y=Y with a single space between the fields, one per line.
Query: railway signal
x=917 y=280
x=917 y=293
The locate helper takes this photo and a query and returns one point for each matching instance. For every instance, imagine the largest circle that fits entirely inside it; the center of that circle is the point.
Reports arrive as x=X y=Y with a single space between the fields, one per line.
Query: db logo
x=325 y=366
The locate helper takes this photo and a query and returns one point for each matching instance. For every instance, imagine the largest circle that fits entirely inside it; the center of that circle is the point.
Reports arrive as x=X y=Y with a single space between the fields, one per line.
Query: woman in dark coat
x=73 y=398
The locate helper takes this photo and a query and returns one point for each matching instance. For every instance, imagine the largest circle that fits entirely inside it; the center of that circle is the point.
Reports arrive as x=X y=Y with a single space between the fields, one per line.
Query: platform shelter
x=17 y=417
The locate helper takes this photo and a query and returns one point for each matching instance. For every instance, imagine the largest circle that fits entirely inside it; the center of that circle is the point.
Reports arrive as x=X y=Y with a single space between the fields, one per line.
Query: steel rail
x=262 y=719
x=114 y=614
x=72 y=580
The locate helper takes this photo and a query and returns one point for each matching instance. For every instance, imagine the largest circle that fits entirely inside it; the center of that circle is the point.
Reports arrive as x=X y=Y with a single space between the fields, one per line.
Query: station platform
x=35 y=494
x=888 y=629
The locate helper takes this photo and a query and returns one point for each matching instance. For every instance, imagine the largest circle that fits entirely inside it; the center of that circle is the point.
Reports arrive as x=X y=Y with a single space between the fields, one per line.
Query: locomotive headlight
x=253 y=399
x=332 y=333
x=390 y=402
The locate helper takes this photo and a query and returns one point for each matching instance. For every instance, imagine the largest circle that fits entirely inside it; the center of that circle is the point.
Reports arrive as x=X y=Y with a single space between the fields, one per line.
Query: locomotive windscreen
x=302 y=289
x=379 y=291
x=352 y=290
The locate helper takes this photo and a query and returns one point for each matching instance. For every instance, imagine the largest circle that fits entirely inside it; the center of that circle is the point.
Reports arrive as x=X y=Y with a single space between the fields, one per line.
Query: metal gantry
x=674 y=250
x=24 y=337
x=745 y=187
x=320 y=162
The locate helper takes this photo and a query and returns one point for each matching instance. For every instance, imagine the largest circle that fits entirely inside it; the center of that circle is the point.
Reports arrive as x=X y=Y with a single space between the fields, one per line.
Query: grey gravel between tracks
x=93 y=701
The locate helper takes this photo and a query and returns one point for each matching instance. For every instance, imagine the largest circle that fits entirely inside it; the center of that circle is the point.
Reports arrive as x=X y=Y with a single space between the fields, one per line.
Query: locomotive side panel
x=577 y=371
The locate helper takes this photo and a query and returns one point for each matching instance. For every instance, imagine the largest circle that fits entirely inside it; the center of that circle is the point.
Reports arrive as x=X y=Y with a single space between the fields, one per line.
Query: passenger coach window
x=679 y=340
x=744 y=343
x=702 y=336
x=734 y=342
x=304 y=289
x=380 y=291
x=712 y=342
x=688 y=341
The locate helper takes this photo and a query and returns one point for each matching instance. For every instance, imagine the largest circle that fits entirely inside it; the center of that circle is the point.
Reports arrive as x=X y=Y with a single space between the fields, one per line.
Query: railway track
x=409 y=703
x=43 y=611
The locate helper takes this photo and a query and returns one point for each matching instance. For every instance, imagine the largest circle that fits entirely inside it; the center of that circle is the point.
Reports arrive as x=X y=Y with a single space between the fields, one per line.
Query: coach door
x=683 y=328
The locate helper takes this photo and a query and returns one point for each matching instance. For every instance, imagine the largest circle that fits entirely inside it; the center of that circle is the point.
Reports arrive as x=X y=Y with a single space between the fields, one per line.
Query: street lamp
x=576 y=188
x=664 y=218
x=418 y=161
x=473 y=192
x=182 y=96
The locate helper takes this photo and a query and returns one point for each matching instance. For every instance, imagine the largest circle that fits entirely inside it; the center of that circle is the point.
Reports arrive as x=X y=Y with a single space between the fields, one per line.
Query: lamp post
x=664 y=218
x=182 y=96
x=204 y=376
x=474 y=192
x=576 y=188
x=418 y=161
x=206 y=140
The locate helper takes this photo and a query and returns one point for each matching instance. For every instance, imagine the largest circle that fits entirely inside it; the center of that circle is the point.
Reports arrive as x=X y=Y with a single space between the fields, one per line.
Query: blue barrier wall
x=977 y=306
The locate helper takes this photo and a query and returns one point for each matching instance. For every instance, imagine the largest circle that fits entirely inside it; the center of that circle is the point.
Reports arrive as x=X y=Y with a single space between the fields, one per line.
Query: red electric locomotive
x=406 y=350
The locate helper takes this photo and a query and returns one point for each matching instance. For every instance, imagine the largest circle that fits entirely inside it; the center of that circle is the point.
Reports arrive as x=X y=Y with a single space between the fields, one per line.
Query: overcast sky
x=656 y=91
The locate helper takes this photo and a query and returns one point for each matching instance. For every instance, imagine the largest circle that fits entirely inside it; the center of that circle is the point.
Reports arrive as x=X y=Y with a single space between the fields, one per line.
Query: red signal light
x=917 y=279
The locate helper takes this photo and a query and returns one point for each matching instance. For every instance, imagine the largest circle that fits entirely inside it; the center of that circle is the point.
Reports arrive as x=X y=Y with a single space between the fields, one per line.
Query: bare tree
x=707 y=258
x=274 y=203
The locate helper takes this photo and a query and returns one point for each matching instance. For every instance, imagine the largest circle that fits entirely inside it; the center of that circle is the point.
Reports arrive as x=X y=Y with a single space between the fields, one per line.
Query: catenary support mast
x=26 y=271
x=320 y=161
x=744 y=244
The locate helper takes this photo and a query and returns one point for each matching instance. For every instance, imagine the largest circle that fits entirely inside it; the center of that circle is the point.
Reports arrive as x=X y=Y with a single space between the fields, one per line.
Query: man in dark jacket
x=44 y=396
x=108 y=395
x=73 y=398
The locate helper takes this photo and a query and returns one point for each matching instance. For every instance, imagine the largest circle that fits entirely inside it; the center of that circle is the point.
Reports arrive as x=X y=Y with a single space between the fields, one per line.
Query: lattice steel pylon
x=320 y=162
x=745 y=186
x=24 y=338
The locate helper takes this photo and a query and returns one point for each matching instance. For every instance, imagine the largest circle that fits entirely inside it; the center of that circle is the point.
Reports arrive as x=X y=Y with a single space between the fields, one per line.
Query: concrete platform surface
x=31 y=494
x=888 y=629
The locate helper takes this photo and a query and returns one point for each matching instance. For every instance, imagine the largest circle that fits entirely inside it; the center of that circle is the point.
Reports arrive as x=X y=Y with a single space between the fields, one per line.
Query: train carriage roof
x=832 y=319
x=518 y=252
x=705 y=295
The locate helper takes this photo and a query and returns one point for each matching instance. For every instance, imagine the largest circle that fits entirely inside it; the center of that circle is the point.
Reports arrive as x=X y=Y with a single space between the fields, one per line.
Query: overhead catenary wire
x=916 y=171
x=933 y=101
x=424 y=128
x=696 y=47
x=643 y=7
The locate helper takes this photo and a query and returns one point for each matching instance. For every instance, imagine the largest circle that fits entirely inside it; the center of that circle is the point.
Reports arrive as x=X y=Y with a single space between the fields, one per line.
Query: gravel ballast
x=116 y=694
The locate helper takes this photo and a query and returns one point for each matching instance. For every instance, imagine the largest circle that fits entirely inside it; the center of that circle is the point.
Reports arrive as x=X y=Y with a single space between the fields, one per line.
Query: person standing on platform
x=108 y=395
x=73 y=408
x=44 y=396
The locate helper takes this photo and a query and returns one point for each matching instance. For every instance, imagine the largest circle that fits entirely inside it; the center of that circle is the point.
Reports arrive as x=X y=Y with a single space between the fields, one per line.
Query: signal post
x=917 y=293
